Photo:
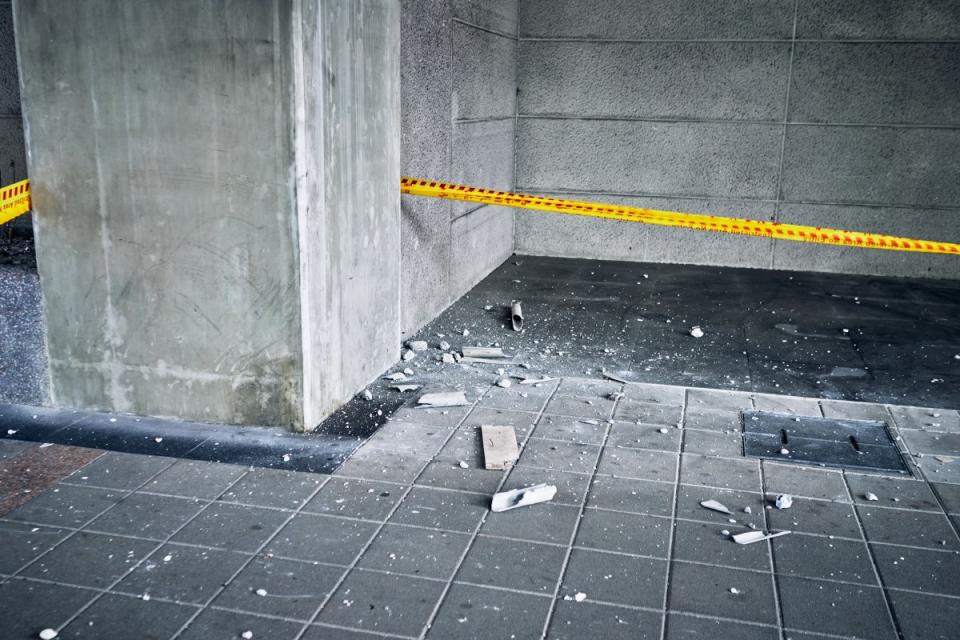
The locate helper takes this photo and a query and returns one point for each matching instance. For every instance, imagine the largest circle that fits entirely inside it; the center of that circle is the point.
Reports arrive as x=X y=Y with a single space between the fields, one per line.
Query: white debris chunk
x=395 y=377
x=261 y=592
x=696 y=332
x=580 y=596
x=872 y=497
x=409 y=355
x=447 y=358
x=713 y=505
x=444 y=346
x=483 y=352
x=367 y=395
x=286 y=457
x=247 y=635
x=463 y=465
x=506 y=500
x=10 y=432
x=48 y=634
x=418 y=345
x=403 y=388
x=749 y=537
x=158 y=439
x=734 y=591
x=408 y=371
x=784 y=451
x=444 y=399
x=663 y=430
x=465 y=333
x=747 y=509
x=784 y=501
x=504 y=382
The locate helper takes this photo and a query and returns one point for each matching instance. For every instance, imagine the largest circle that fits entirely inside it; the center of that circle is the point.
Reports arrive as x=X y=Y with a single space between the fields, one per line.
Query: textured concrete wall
x=812 y=112
x=458 y=87
x=13 y=159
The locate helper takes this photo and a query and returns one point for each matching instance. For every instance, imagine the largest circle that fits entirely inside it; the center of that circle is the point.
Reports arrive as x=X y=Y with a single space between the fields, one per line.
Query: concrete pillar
x=216 y=202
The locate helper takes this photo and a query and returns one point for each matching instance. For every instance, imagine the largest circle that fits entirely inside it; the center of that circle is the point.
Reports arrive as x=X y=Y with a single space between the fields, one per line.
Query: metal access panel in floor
x=857 y=444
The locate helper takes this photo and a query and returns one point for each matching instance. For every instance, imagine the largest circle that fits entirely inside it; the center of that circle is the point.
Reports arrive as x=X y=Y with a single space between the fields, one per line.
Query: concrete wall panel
x=879 y=19
x=482 y=156
x=482 y=241
x=496 y=15
x=484 y=73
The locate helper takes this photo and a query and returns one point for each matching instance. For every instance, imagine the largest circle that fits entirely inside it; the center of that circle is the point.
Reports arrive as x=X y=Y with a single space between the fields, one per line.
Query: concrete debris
x=610 y=376
x=696 y=332
x=408 y=372
x=590 y=421
x=483 y=352
x=367 y=395
x=247 y=635
x=734 y=591
x=747 y=509
x=444 y=399
x=872 y=497
x=395 y=377
x=663 y=430
x=516 y=316
x=48 y=634
x=286 y=457
x=504 y=382
x=472 y=360
x=418 y=345
x=158 y=439
x=713 y=505
x=749 y=537
x=784 y=451
x=500 y=449
x=11 y=432
x=409 y=355
x=507 y=500
x=535 y=380
x=466 y=332
x=444 y=346
x=580 y=596
x=261 y=592
x=463 y=465
x=447 y=358
x=784 y=501
x=403 y=388
x=488 y=307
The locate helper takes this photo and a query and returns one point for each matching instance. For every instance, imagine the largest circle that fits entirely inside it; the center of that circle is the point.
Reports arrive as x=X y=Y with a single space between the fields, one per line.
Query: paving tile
x=571 y=487
x=945 y=470
x=702 y=542
x=634 y=496
x=447 y=474
x=570 y=429
x=229 y=625
x=681 y=627
x=854 y=410
x=234 y=527
x=322 y=539
x=21 y=543
x=919 y=569
x=950 y=495
x=116 y=470
x=446 y=417
x=512 y=564
x=892 y=492
x=718 y=399
x=689 y=499
x=115 y=617
x=90 y=560
x=465 y=445
x=196 y=479
x=181 y=573
x=410 y=439
x=448 y=510
x=916 y=528
x=274 y=488
x=707 y=590
x=816 y=516
x=803 y=481
x=146 y=515
x=638 y=463
x=66 y=506
x=712 y=419
x=578 y=620
x=26 y=608
x=654 y=394
x=559 y=456
x=514 y=399
x=712 y=443
x=521 y=421
x=382 y=603
x=644 y=436
x=11 y=448
x=726 y=473
x=476 y=613
x=587 y=387
x=648 y=413
x=365 y=499
x=624 y=532
x=548 y=522
x=921 y=418
x=787 y=404
x=595 y=408
x=614 y=578
x=831 y=607
x=931 y=442
x=925 y=617
x=382 y=465
x=829 y=559
x=294 y=589
x=324 y=632
x=424 y=553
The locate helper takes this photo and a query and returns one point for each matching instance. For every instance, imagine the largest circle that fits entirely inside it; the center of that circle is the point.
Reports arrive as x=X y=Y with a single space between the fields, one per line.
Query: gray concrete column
x=216 y=202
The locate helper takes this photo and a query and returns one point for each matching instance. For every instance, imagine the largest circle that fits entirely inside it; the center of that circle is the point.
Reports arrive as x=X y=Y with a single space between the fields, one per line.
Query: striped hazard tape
x=14 y=200
x=761 y=228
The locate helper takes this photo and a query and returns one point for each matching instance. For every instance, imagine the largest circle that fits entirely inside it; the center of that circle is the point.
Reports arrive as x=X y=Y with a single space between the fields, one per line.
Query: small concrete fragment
x=749 y=537
x=483 y=352
x=418 y=345
x=443 y=399
x=504 y=382
x=499 y=447
x=444 y=346
x=447 y=358
x=784 y=501
x=872 y=497
x=367 y=395
x=395 y=377
x=48 y=634
x=696 y=332
x=403 y=388
x=713 y=505
x=409 y=355
x=507 y=500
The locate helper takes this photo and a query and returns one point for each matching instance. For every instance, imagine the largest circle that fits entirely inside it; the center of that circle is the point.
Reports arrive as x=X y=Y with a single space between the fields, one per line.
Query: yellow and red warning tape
x=761 y=228
x=14 y=200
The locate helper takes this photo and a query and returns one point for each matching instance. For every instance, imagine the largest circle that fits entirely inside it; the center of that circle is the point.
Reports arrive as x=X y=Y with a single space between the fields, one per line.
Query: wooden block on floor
x=499 y=447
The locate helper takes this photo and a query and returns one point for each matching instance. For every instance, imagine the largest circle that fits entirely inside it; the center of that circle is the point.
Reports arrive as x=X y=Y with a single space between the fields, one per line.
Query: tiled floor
x=400 y=543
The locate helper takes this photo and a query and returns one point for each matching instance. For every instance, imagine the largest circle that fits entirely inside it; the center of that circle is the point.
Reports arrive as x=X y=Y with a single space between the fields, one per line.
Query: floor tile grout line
x=777 y=600
x=673 y=517
x=888 y=602
x=551 y=610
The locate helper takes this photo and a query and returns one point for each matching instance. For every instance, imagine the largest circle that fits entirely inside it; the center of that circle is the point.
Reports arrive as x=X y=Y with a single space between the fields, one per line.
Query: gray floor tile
x=628 y=494
x=66 y=506
x=447 y=474
x=233 y=527
x=892 y=492
x=925 y=617
x=294 y=589
x=465 y=445
x=147 y=516
x=712 y=443
x=624 y=532
x=383 y=603
x=638 y=463
x=514 y=399
x=816 y=516
x=654 y=393
x=689 y=499
x=613 y=578
x=116 y=470
x=559 y=456
x=274 y=488
x=787 y=404
x=854 y=410
x=365 y=499
x=701 y=542
x=830 y=559
x=589 y=407
x=919 y=569
x=512 y=564
x=324 y=632
x=446 y=417
x=521 y=421
x=916 y=528
x=410 y=439
x=546 y=522
x=707 y=590
x=425 y=553
x=727 y=473
x=90 y=560
x=570 y=429
x=711 y=419
x=316 y=538
x=587 y=387
x=185 y=574
x=21 y=543
x=196 y=479
x=931 y=442
x=382 y=465
x=644 y=436
x=950 y=495
x=115 y=617
x=718 y=399
x=449 y=510
x=802 y=481
x=946 y=469
x=839 y=609
x=923 y=418
x=230 y=625
x=681 y=627
x=571 y=487
x=648 y=413
x=476 y=613
x=578 y=620
x=11 y=448
x=26 y=608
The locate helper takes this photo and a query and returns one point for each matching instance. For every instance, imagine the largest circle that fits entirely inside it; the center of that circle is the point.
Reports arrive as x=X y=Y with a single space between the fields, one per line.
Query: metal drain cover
x=828 y=441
